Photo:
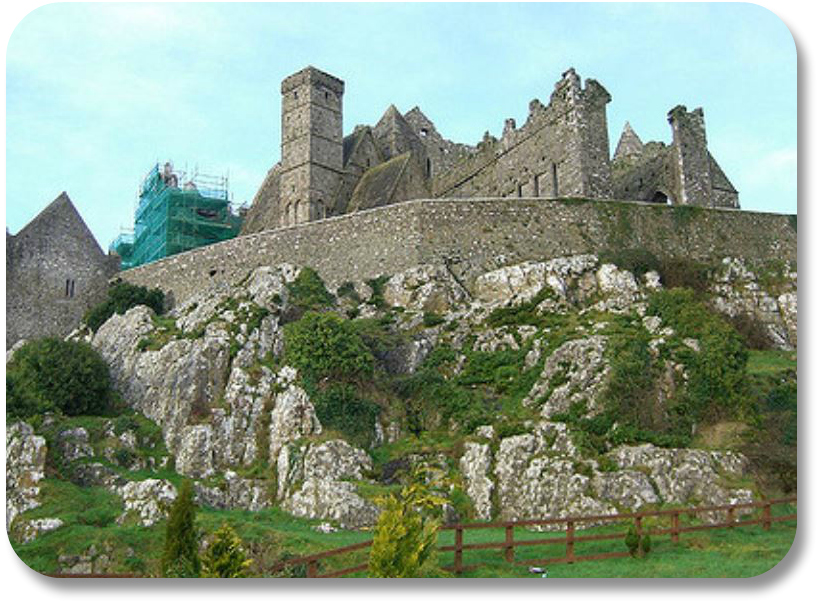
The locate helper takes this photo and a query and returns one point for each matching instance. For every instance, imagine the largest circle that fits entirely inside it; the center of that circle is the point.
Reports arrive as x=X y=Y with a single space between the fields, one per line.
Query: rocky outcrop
x=541 y=473
x=737 y=290
x=429 y=288
x=25 y=468
x=574 y=373
x=149 y=501
x=314 y=483
x=687 y=475
x=475 y=466
x=235 y=493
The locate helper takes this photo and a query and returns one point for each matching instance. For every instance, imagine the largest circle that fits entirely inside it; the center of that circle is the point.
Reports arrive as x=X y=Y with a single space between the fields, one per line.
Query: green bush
x=637 y=546
x=225 y=557
x=308 y=292
x=339 y=407
x=325 y=346
x=684 y=273
x=50 y=374
x=121 y=297
x=635 y=260
x=404 y=540
x=717 y=373
x=522 y=314
x=180 y=556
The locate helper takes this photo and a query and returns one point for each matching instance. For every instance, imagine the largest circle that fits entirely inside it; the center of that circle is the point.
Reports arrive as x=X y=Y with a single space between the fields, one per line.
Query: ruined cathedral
x=561 y=151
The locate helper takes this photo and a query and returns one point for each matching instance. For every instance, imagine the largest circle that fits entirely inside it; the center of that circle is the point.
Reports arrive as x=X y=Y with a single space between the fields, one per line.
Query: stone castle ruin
x=561 y=151
x=396 y=195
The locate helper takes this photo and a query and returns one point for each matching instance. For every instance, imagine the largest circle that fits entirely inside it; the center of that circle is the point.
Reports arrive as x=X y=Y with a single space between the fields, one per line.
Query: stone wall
x=473 y=236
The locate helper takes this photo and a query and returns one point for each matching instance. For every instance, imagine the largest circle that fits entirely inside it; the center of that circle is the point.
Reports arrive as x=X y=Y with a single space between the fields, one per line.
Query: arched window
x=659 y=197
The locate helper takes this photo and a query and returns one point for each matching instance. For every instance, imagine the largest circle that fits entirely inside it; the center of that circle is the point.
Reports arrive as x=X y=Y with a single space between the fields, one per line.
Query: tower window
x=429 y=167
x=69 y=288
x=554 y=180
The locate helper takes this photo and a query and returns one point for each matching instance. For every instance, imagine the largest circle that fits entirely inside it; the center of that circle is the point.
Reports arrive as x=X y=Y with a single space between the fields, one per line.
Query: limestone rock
x=312 y=483
x=575 y=372
x=626 y=488
x=169 y=385
x=194 y=455
x=684 y=475
x=150 y=500
x=475 y=468
x=429 y=288
x=293 y=417
x=25 y=468
x=619 y=288
x=28 y=531
x=73 y=444
x=236 y=493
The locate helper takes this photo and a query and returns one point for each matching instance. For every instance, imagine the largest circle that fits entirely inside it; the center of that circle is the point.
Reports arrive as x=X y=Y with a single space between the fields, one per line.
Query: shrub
x=751 y=330
x=307 y=291
x=717 y=374
x=180 y=557
x=684 y=273
x=326 y=346
x=637 y=546
x=635 y=260
x=50 y=374
x=225 y=557
x=121 y=297
x=405 y=539
x=339 y=407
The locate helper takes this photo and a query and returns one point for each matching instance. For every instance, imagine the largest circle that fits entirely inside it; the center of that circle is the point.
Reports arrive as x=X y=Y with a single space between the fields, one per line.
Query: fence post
x=638 y=525
x=510 y=548
x=312 y=569
x=731 y=517
x=675 y=528
x=459 y=551
x=570 y=541
x=766 y=517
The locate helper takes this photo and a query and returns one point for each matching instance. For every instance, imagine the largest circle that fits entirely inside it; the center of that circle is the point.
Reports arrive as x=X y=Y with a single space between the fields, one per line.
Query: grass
x=769 y=362
x=271 y=534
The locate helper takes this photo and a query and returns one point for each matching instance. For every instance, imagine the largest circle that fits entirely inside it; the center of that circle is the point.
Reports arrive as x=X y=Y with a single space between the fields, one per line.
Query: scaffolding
x=175 y=213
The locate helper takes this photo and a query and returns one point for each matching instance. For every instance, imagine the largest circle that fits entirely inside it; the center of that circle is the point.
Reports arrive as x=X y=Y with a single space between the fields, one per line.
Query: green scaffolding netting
x=171 y=218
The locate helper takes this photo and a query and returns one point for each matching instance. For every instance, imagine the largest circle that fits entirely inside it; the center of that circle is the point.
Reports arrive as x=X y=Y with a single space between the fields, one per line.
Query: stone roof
x=59 y=217
x=629 y=144
x=378 y=184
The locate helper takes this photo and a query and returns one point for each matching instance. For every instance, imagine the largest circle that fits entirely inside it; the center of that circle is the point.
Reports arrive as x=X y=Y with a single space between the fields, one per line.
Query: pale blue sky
x=96 y=93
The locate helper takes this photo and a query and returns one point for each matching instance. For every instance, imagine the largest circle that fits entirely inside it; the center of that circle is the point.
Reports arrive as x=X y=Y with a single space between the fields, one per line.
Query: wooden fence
x=732 y=513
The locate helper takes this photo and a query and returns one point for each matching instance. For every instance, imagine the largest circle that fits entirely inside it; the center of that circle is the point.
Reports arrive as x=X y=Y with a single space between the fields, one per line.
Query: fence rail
x=732 y=513
x=570 y=538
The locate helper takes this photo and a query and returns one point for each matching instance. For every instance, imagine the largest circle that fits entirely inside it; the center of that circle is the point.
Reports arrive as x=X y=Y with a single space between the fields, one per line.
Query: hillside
x=575 y=385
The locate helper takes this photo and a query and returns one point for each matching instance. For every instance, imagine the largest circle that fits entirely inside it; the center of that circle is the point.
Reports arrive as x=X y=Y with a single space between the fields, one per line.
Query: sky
x=97 y=93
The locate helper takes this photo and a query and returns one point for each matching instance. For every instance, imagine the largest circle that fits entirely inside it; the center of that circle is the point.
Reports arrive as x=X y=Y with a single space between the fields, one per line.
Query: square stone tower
x=312 y=145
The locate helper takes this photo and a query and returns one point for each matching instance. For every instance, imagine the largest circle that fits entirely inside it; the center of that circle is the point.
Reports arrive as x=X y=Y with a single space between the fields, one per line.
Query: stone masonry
x=473 y=236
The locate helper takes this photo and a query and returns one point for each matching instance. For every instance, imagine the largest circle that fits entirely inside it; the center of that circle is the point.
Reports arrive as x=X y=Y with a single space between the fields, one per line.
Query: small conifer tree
x=225 y=557
x=180 y=557
x=405 y=538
